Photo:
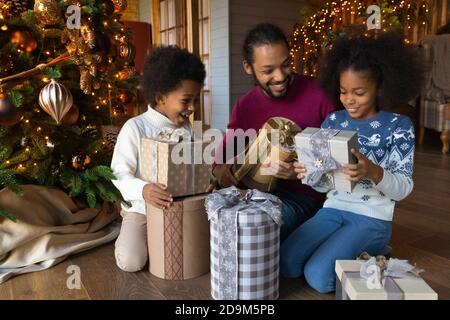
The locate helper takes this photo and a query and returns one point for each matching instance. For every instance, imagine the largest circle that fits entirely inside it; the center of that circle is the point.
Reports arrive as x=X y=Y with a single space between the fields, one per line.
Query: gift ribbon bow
x=278 y=128
x=318 y=159
x=173 y=135
x=227 y=221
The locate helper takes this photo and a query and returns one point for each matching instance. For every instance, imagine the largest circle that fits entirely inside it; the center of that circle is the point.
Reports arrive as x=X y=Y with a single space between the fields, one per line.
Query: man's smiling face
x=271 y=68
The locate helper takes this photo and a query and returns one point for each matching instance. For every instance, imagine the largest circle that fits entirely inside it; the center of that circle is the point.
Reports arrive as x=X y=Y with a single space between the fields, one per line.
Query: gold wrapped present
x=275 y=141
x=177 y=164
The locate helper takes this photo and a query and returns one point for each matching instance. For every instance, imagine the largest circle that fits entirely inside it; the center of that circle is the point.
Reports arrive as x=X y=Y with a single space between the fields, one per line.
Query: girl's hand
x=157 y=195
x=300 y=170
x=280 y=169
x=363 y=169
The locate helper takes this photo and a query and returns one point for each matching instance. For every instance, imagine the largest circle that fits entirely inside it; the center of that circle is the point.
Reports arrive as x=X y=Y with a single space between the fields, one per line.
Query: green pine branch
x=7 y=215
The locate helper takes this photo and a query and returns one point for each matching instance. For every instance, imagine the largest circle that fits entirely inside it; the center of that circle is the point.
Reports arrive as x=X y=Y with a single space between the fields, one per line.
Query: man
x=277 y=92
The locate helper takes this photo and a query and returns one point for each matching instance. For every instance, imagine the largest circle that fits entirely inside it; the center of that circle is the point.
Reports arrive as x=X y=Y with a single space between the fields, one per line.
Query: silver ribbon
x=393 y=291
x=227 y=221
x=318 y=159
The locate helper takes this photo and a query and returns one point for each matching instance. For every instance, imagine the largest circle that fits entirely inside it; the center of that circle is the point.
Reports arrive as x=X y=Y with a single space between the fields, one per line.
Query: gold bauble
x=81 y=161
x=56 y=100
x=47 y=11
x=127 y=52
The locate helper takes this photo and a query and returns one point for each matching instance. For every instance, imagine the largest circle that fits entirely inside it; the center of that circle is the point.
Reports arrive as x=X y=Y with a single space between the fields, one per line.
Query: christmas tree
x=66 y=70
x=317 y=31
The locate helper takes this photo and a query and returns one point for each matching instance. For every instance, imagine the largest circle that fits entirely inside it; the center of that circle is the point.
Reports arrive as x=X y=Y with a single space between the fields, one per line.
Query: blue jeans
x=330 y=235
x=296 y=209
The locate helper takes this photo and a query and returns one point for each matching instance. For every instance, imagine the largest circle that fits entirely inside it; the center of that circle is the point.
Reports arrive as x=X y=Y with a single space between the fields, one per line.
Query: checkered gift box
x=245 y=241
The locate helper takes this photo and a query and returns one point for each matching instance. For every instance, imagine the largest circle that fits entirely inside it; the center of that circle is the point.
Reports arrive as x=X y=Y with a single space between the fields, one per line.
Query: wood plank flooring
x=421 y=234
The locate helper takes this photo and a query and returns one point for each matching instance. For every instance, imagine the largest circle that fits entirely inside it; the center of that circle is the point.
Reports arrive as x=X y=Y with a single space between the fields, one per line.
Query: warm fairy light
x=4 y=27
x=8 y=162
x=46 y=138
x=45 y=80
x=35 y=164
x=39 y=129
x=97 y=107
x=309 y=38
x=27 y=149
x=27 y=121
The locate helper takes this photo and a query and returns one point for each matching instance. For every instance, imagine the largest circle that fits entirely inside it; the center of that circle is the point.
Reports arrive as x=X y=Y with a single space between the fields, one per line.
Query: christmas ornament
x=127 y=52
x=81 y=161
x=47 y=11
x=125 y=97
x=88 y=36
x=107 y=7
x=119 y=5
x=9 y=114
x=24 y=40
x=13 y=8
x=126 y=73
x=71 y=117
x=109 y=134
x=56 y=100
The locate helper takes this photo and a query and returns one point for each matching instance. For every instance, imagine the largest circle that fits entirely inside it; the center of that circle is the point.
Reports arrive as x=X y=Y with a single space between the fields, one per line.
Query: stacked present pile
x=178 y=237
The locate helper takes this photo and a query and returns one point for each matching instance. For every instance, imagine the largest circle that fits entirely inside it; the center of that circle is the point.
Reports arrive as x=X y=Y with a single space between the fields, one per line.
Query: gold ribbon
x=282 y=129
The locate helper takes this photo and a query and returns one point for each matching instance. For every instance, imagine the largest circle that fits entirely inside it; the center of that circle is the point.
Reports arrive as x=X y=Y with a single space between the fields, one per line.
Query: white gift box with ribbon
x=360 y=280
x=322 y=151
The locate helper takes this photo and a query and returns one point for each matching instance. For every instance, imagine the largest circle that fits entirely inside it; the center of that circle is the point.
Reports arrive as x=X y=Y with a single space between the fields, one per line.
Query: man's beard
x=267 y=88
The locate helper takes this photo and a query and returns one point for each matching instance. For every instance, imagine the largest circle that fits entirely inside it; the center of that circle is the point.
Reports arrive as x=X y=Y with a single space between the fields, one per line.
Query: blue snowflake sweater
x=387 y=139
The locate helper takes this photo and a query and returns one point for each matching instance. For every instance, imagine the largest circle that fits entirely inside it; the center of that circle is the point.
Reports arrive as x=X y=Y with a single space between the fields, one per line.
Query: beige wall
x=132 y=11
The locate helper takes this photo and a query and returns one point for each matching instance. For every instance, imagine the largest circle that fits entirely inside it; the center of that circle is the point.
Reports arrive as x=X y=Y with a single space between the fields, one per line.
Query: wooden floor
x=421 y=234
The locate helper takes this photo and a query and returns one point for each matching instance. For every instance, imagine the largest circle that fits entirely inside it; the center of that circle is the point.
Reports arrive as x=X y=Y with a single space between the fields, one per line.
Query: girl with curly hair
x=367 y=76
x=171 y=83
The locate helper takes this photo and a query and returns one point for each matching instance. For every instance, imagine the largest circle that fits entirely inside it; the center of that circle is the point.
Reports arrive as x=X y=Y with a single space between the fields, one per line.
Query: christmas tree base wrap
x=49 y=227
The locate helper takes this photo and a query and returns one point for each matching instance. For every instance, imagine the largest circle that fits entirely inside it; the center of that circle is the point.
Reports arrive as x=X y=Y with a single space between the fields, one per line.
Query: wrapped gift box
x=275 y=141
x=351 y=286
x=326 y=148
x=245 y=242
x=178 y=239
x=178 y=165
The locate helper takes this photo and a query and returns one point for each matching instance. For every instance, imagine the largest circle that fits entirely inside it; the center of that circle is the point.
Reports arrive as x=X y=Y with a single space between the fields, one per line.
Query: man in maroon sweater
x=277 y=93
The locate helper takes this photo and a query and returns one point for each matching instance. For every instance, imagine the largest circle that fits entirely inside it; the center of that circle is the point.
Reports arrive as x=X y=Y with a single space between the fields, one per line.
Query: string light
x=318 y=31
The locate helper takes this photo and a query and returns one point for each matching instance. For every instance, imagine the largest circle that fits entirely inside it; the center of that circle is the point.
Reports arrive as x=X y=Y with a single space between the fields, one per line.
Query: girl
x=172 y=81
x=367 y=76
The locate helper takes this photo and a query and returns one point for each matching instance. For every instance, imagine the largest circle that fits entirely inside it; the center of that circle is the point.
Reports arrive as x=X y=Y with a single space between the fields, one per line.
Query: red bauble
x=9 y=114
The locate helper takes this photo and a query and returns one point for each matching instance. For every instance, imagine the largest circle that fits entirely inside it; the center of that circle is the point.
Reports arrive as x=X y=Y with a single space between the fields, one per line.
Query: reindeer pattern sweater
x=388 y=140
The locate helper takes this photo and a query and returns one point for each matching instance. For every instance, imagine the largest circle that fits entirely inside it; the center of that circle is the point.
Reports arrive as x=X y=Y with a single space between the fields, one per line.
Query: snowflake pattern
x=404 y=146
x=375 y=124
x=379 y=152
x=344 y=124
x=387 y=140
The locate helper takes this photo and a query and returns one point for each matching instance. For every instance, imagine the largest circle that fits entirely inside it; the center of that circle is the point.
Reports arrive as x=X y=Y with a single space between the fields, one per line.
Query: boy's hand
x=280 y=169
x=300 y=170
x=363 y=169
x=157 y=195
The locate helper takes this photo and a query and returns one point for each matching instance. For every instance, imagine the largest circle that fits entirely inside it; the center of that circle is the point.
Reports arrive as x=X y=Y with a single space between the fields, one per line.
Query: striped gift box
x=245 y=241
